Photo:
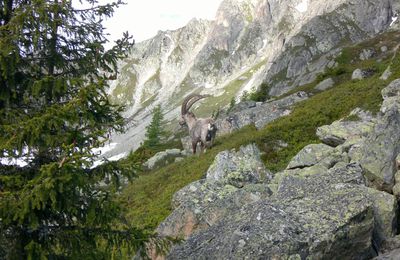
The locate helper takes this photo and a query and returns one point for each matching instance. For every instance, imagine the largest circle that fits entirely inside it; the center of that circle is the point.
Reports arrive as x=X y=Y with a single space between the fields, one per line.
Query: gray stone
x=396 y=187
x=385 y=215
x=367 y=54
x=384 y=49
x=311 y=155
x=260 y=115
x=390 y=249
x=202 y=204
x=243 y=105
x=325 y=84
x=321 y=214
x=309 y=217
x=392 y=90
x=298 y=183
x=238 y=168
x=390 y=255
x=377 y=153
x=233 y=180
x=357 y=74
x=161 y=159
x=344 y=130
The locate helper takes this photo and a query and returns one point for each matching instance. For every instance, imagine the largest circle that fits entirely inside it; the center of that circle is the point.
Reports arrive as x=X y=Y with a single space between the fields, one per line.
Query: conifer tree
x=53 y=111
x=154 y=131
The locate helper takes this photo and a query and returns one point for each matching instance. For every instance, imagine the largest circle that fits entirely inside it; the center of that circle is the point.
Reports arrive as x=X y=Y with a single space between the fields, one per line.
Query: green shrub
x=258 y=95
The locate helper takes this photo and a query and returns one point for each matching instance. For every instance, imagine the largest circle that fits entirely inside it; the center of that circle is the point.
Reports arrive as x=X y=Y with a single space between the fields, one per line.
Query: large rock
x=392 y=90
x=342 y=130
x=163 y=158
x=390 y=249
x=238 y=168
x=316 y=153
x=319 y=214
x=367 y=54
x=305 y=219
x=377 y=154
x=358 y=74
x=325 y=84
x=258 y=114
x=233 y=180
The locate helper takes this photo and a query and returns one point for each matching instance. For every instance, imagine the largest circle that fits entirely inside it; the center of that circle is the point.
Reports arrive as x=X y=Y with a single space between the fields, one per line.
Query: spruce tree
x=154 y=131
x=53 y=111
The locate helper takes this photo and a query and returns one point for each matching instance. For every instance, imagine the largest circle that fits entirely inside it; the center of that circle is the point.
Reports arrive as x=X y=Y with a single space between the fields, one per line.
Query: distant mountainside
x=282 y=43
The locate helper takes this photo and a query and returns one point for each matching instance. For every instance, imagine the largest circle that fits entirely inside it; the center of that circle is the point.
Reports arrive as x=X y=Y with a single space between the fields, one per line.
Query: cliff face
x=282 y=43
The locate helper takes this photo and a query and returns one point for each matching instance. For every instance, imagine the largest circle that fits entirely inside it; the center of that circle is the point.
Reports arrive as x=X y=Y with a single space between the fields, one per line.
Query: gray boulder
x=390 y=249
x=357 y=74
x=367 y=54
x=313 y=154
x=392 y=90
x=163 y=158
x=238 y=168
x=325 y=84
x=233 y=180
x=258 y=114
x=344 y=130
x=305 y=219
x=377 y=153
x=326 y=214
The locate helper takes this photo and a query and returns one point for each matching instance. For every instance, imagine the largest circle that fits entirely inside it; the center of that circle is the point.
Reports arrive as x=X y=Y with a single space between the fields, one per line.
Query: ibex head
x=187 y=103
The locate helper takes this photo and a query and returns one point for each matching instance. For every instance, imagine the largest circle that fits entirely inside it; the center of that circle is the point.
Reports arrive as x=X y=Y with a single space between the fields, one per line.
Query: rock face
x=282 y=43
x=347 y=130
x=327 y=204
x=328 y=215
x=377 y=153
x=234 y=180
x=258 y=114
x=325 y=84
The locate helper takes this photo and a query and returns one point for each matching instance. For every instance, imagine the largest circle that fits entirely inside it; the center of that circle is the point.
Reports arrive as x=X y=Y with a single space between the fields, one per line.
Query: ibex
x=201 y=130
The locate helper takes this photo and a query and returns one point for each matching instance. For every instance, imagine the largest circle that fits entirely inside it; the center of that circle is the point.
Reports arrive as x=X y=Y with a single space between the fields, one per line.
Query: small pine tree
x=154 y=131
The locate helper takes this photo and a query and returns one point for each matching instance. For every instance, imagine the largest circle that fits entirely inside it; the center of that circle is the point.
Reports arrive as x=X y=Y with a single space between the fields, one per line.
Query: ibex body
x=201 y=130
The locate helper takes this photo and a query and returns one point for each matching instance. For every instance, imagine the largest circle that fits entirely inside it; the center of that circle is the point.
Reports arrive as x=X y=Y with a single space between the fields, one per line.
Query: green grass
x=147 y=199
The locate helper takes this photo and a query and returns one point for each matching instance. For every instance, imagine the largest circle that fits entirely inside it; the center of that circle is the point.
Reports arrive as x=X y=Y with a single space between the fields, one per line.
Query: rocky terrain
x=335 y=200
x=283 y=44
x=310 y=172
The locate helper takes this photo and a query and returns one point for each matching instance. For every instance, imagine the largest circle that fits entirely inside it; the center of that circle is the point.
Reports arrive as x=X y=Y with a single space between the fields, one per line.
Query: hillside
x=306 y=158
x=148 y=198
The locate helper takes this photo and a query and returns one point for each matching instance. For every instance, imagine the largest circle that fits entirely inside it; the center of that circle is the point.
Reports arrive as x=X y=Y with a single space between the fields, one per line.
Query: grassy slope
x=147 y=199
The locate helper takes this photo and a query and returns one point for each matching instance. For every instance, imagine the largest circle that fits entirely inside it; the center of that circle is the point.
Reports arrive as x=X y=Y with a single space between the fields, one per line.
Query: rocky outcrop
x=233 y=180
x=325 y=84
x=259 y=114
x=350 y=130
x=317 y=154
x=163 y=158
x=377 y=153
x=325 y=205
x=329 y=214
